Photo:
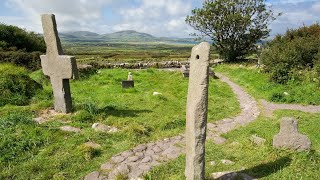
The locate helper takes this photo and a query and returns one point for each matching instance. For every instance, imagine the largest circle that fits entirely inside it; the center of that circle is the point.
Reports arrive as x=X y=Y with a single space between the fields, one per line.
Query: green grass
x=31 y=151
x=261 y=162
x=258 y=85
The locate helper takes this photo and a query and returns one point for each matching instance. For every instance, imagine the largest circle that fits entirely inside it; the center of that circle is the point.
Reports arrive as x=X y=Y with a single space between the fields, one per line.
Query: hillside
x=121 y=36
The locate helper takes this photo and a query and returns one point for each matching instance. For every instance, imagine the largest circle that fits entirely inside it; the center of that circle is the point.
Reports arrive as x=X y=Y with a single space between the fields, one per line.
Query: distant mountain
x=129 y=36
x=121 y=36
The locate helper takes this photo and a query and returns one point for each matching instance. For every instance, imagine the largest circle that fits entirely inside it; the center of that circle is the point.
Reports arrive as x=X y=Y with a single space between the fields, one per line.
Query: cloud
x=296 y=13
x=160 y=17
x=70 y=14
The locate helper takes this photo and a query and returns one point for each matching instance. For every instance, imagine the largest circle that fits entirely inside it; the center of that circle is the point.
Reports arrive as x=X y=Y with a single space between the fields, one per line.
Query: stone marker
x=196 y=112
x=58 y=67
x=129 y=82
x=289 y=137
x=185 y=71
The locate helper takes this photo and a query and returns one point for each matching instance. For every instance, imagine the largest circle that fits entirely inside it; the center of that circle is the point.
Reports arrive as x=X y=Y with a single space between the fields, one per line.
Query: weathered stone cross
x=58 y=67
x=196 y=115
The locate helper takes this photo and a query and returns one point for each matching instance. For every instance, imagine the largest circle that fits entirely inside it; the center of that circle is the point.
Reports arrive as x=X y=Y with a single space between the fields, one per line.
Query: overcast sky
x=157 y=17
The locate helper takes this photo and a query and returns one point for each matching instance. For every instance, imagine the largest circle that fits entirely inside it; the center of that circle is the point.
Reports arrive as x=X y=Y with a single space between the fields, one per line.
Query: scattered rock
x=46 y=115
x=70 y=129
x=92 y=145
x=156 y=93
x=107 y=166
x=104 y=128
x=289 y=137
x=94 y=176
x=212 y=163
x=226 y=162
x=230 y=175
x=257 y=140
x=117 y=159
x=219 y=140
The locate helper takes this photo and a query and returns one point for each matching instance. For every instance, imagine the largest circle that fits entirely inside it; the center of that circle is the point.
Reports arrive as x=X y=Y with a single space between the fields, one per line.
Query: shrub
x=16 y=86
x=296 y=50
x=14 y=37
x=31 y=61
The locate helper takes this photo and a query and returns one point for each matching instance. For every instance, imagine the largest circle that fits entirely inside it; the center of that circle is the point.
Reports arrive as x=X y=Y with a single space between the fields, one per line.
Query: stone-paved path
x=139 y=160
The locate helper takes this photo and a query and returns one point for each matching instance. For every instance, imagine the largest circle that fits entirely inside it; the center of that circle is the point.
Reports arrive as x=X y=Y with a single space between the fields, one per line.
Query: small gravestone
x=58 y=67
x=129 y=83
x=196 y=112
x=289 y=137
x=185 y=71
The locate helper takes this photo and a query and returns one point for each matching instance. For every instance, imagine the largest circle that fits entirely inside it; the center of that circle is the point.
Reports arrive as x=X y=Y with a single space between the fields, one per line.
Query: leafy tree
x=14 y=38
x=233 y=25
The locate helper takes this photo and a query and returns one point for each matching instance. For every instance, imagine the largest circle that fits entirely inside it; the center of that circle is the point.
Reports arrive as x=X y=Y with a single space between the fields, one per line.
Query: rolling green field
x=129 y=52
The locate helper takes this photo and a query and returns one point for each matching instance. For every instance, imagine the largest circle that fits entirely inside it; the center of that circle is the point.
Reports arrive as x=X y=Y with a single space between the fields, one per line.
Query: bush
x=296 y=50
x=16 y=86
x=12 y=37
x=31 y=61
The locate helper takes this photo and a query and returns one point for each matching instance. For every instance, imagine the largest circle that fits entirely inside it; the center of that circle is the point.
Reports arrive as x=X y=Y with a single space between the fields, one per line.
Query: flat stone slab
x=70 y=129
x=289 y=137
x=231 y=175
x=99 y=127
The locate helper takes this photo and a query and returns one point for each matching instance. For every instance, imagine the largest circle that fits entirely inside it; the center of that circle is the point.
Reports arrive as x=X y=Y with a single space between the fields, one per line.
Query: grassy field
x=262 y=161
x=305 y=91
x=129 y=52
x=32 y=151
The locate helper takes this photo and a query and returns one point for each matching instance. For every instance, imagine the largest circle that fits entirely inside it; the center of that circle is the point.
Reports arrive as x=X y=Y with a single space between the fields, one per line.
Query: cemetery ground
x=43 y=151
x=29 y=150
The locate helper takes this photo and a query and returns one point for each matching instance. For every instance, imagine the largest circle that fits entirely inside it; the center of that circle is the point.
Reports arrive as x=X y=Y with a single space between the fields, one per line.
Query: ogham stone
x=58 y=67
x=196 y=112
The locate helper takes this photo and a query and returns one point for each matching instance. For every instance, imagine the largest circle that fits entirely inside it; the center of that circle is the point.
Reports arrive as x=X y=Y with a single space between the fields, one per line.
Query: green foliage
x=16 y=86
x=12 y=37
x=16 y=139
x=296 y=50
x=233 y=25
x=302 y=88
x=29 y=60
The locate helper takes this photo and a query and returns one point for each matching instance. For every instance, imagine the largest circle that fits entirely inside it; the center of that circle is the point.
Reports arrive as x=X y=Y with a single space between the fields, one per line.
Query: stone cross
x=196 y=113
x=58 y=67
x=289 y=136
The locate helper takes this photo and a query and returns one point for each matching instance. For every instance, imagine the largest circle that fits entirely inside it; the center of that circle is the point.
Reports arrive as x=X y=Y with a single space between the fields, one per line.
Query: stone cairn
x=196 y=112
x=289 y=137
x=58 y=67
x=129 y=82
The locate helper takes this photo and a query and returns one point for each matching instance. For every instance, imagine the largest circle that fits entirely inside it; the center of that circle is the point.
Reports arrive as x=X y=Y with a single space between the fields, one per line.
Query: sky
x=162 y=18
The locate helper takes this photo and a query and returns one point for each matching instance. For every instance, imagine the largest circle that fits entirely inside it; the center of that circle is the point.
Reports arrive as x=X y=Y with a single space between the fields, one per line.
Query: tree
x=233 y=25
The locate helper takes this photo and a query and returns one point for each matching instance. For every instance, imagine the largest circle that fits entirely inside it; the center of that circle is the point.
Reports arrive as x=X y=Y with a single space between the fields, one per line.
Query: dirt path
x=141 y=159
x=269 y=107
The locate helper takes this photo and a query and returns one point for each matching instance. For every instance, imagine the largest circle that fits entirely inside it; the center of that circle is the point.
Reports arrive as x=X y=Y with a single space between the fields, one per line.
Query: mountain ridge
x=120 y=36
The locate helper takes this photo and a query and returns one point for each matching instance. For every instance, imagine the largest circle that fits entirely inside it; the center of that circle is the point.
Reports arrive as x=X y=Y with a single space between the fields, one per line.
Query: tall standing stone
x=196 y=115
x=58 y=67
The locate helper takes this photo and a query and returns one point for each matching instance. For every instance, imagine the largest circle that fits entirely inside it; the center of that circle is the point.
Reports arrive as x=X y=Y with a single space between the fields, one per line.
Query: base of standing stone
x=186 y=74
x=127 y=84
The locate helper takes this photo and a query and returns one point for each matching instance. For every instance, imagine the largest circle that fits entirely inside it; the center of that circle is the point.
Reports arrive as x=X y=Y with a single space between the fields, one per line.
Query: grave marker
x=129 y=82
x=58 y=67
x=196 y=114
